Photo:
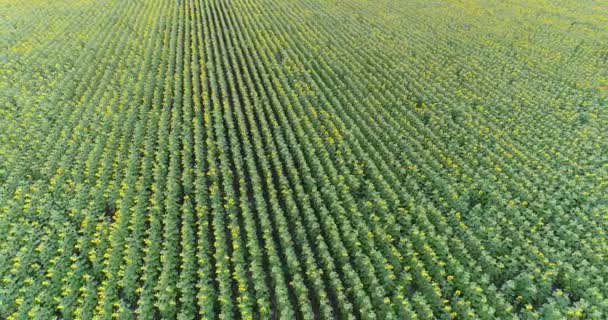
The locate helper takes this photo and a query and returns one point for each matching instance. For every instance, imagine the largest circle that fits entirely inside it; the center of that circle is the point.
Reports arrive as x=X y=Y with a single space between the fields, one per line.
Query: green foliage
x=309 y=159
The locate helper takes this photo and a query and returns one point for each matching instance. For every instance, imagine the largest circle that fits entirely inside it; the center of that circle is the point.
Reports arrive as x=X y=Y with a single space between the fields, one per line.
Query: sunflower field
x=305 y=159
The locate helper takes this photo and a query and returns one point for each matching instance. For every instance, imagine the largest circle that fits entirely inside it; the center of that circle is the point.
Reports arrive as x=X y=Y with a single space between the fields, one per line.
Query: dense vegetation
x=309 y=159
